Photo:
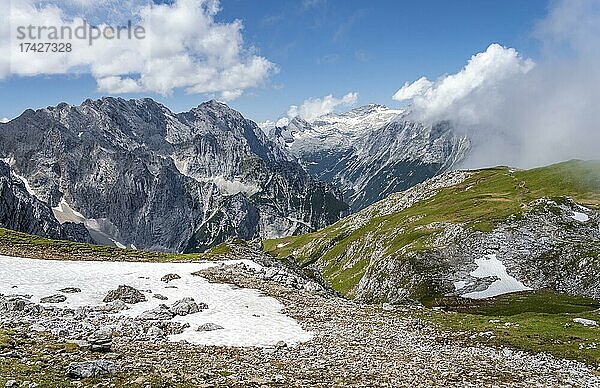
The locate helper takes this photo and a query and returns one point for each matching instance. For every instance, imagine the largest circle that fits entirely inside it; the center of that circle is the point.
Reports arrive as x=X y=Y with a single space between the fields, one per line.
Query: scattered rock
x=9 y=354
x=186 y=306
x=125 y=293
x=112 y=307
x=100 y=340
x=70 y=290
x=159 y=296
x=209 y=327
x=160 y=313
x=155 y=332
x=168 y=277
x=14 y=303
x=278 y=379
x=90 y=369
x=11 y=384
x=58 y=298
x=585 y=322
x=281 y=344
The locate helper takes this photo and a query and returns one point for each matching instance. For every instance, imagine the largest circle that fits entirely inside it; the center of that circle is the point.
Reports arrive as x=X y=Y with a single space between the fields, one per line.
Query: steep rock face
x=371 y=151
x=545 y=248
x=470 y=234
x=138 y=175
x=20 y=210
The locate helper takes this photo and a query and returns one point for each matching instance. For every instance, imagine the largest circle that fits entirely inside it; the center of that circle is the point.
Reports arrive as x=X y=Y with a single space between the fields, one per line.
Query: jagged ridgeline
x=372 y=151
x=535 y=228
x=138 y=175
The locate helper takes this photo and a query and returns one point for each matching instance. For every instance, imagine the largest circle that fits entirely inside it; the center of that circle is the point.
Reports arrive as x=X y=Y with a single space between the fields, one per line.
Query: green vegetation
x=539 y=321
x=26 y=245
x=44 y=363
x=43 y=360
x=486 y=198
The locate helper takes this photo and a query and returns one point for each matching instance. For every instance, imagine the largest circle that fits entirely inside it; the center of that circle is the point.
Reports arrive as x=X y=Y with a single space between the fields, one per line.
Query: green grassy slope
x=539 y=321
x=25 y=245
x=486 y=198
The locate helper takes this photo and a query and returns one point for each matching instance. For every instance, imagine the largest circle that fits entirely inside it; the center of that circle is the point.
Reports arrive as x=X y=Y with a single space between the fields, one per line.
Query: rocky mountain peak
x=133 y=172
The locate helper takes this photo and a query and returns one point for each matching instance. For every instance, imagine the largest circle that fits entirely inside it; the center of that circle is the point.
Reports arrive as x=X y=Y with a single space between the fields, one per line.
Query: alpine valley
x=141 y=247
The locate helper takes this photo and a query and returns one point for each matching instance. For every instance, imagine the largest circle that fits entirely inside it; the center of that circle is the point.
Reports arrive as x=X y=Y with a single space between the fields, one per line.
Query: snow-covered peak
x=363 y=118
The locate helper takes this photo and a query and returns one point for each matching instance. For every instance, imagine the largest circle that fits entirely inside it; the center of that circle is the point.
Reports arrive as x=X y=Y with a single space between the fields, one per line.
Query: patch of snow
x=11 y=162
x=232 y=187
x=248 y=318
x=65 y=213
x=581 y=217
x=25 y=182
x=585 y=322
x=281 y=245
x=118 y=244
x=459 y=285
x=226 y=186
x=100 y=229
x=490 y=266
x=297 y=221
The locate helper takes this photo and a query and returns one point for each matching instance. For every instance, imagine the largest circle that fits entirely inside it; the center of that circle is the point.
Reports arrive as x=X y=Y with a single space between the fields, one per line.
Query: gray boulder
x=53 y=299
x=171 y=276
x=160 y=313
x=187 y=306
x=90 y=369
x=112 y=307
x=14 y=303
x=209 y=327
x=125 y=293
x=100 y=340
x=70 y=290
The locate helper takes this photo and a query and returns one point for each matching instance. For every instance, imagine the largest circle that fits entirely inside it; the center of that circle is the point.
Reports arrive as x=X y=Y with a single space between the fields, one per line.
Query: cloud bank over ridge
x=519 y=112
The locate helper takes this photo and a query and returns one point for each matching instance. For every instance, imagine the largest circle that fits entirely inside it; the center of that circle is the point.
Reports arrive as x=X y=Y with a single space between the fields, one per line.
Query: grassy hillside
x=484 y=199
x=539 y=321
x=25 y=245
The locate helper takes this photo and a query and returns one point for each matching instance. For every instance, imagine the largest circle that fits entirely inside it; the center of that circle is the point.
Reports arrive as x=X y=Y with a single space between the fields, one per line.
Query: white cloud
x=417 y=88
x=184 y=48
x=310 y=110
x=313 y=108
x=282 y=122
x=520 y=114
x=266 y=125
x=484 y=71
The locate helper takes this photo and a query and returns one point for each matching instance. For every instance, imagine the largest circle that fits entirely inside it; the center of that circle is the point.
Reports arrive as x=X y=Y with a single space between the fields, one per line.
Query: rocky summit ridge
x=138 y=175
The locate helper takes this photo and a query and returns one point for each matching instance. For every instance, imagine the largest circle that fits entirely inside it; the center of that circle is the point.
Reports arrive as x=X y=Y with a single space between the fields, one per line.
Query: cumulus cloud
x=452 y=93
x=520 y=113
x=310 y=110
x=184 y=47
x=313 y=108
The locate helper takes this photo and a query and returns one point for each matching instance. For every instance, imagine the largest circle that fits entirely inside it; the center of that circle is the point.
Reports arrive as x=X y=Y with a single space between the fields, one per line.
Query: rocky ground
x=353 y=345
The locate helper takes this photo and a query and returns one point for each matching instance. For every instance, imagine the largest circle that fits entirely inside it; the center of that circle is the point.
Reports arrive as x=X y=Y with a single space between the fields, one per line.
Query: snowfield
x=491 y=266
x=247 y=317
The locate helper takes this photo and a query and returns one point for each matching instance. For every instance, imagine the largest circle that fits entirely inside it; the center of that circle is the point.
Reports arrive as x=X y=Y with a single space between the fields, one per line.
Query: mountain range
x=372 y=151
x=138 y=175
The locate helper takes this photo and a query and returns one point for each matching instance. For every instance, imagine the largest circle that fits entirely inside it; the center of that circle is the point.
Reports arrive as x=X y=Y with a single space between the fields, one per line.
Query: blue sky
x=328 y=47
